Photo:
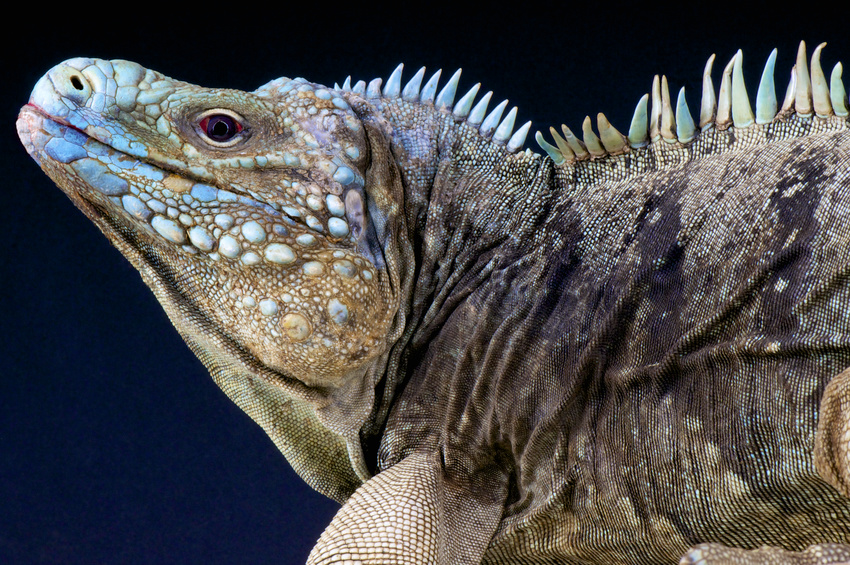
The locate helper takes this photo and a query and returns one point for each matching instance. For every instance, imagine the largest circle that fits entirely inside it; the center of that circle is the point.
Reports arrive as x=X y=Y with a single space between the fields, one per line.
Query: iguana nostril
x=76 y=82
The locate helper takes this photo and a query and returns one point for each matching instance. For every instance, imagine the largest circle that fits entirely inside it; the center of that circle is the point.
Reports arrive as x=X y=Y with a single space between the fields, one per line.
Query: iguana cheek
x=328 y=319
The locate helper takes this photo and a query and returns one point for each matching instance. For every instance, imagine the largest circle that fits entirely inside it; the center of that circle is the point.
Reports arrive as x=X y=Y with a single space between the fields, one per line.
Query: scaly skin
x=611 y=354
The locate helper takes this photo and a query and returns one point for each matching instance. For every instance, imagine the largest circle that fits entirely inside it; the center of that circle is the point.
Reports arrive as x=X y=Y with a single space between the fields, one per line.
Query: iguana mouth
x=29 y=106
x=33 y=123
x=95 y=135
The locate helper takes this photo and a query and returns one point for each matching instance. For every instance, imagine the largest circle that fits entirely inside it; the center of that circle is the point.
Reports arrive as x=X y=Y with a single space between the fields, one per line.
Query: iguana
x=630 y=349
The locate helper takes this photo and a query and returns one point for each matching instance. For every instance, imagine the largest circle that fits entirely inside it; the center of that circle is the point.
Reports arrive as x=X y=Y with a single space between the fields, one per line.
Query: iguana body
x=615 y=353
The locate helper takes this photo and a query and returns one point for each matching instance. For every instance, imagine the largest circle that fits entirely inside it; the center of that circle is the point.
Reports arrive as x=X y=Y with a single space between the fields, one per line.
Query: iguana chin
x=628 y=350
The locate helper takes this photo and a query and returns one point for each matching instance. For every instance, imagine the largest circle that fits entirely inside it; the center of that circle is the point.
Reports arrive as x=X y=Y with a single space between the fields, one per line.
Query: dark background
x=115 y=445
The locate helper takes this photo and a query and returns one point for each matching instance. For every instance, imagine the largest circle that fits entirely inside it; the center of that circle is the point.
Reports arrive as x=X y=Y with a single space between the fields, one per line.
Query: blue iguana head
x=253 y=203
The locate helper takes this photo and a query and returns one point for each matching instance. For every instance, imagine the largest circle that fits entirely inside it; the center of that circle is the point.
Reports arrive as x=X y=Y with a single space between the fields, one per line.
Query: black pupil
x=221 y=128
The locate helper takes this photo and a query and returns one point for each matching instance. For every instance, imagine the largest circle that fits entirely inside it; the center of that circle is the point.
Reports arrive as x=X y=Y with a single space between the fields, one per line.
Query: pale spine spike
x=637 y=129
x=346 y=86
x=463 y=106
x=430 y=88
x=612 y=140
x=668 y=120
x=685 y=128
x=476 y=116
x=373 y=90
x=337 y=86
x=556 y=156
x=492 y=120
x=411 y=89
x=837 y=93
x=742 y=112
x=591 y=141
x=820 y=90
x=359 y=88
x=724 y=98
x=803 y=97
x=766 y=96
x=563 y=146
x=503 y=132
x=790 y=93
x=575 y=143
x=708 y=102
x=517 y=140
x=446 y=97
x=655 y=110
x=393 y=87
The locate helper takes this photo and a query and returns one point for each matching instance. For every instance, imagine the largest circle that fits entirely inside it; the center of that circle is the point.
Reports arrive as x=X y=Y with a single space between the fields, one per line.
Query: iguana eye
x=222 y=129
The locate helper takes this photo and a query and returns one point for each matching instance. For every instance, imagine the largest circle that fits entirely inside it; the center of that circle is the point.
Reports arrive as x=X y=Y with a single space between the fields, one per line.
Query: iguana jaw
x=296 y=305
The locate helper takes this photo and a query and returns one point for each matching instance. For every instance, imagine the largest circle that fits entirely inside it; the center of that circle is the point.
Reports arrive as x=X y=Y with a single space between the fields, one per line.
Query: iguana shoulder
x=612 y=353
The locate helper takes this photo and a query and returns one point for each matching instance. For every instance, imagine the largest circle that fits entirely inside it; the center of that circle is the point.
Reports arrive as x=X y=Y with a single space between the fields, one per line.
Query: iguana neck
x=465 y=196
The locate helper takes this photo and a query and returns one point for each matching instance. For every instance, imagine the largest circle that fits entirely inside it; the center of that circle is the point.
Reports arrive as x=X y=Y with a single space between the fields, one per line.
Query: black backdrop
x=115 y=446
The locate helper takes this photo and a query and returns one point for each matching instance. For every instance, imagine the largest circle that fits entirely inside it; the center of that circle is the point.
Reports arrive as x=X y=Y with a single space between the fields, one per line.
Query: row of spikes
x=806 y=95
x=489 y=125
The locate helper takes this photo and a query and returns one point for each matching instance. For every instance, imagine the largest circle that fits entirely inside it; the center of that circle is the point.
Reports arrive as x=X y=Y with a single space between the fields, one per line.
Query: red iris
x=220 y=127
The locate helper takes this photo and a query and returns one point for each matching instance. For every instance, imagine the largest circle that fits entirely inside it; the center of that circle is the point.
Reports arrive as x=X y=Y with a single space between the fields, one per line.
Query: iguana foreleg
x=412 y=513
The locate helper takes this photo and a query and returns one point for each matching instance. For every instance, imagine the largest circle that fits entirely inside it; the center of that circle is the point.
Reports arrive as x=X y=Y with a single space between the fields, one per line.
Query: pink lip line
x=62 y=121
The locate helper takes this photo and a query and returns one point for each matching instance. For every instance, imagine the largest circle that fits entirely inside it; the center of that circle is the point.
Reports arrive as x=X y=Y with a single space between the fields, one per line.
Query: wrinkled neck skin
x=463 y=194
x=466 y=202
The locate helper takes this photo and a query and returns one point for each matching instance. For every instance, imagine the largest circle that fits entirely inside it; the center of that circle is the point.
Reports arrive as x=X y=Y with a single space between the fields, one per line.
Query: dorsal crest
x=658 y=119
x=489 y=125
x=808 y=95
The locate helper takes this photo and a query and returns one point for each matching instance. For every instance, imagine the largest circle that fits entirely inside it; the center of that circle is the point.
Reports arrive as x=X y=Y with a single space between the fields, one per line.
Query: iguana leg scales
x=388 y=521
x=832 y=440
x=414 y=513
x=713 y=553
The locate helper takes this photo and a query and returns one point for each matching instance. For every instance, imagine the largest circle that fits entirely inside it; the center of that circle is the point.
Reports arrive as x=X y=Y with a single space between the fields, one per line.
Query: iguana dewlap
x=628 y=350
